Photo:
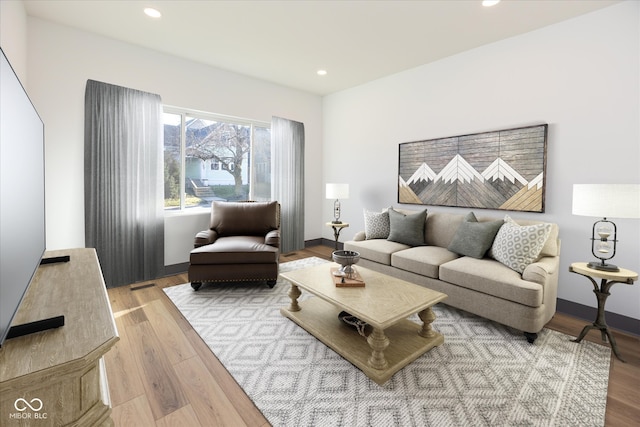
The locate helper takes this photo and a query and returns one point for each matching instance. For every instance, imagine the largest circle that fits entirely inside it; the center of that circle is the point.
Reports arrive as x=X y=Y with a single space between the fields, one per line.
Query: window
x=209 y=157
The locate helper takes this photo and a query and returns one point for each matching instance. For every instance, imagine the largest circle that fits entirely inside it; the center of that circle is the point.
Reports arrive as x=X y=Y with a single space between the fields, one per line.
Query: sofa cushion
x=376 y=250
x=244 y=218
x=407 y=228
x=474 y=238
x=235 y=250
x=492 y=278
x=441 y=227
x=423 y=260
x=376 y=224
x=517 y=246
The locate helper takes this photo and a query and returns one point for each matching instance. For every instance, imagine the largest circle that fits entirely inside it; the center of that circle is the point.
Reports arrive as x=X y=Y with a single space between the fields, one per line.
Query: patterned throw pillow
x=517 y=246
x=376 y=224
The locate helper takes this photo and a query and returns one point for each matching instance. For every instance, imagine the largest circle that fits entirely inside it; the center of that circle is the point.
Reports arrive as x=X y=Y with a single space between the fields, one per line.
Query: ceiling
x=286 y=42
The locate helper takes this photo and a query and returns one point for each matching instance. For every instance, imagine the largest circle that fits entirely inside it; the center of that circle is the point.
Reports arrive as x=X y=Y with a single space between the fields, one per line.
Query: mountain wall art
x=502 y=169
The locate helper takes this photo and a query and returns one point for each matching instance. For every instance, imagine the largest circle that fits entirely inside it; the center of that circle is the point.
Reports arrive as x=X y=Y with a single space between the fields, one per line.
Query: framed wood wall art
x=503 y=170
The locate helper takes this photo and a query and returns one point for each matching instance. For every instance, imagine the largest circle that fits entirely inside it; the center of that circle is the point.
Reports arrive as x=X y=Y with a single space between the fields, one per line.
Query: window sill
x=170 y=213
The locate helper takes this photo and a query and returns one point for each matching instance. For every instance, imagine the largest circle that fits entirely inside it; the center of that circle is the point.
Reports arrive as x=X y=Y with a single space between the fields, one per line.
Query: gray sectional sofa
x=500 y=269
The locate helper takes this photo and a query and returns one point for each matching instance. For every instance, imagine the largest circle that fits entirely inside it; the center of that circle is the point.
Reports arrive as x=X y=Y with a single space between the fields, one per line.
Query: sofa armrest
x=205 y=237
x=360 y=236
x=541 y=270
x=273 y=238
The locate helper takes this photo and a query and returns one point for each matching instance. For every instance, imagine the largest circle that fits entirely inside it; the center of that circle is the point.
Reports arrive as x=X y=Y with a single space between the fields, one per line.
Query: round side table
x=607 y=279
x=337 y=228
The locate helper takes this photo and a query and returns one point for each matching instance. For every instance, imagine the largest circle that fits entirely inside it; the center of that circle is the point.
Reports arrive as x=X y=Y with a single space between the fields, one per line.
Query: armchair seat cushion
x=235 y=250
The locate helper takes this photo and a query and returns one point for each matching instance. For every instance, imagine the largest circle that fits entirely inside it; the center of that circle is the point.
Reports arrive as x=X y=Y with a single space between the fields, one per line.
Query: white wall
x=582 y=77
x=61 y=59
x=13 y=36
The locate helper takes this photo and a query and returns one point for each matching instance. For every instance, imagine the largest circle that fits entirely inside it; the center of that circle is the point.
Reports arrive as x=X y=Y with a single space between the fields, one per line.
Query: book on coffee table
x=342 y=281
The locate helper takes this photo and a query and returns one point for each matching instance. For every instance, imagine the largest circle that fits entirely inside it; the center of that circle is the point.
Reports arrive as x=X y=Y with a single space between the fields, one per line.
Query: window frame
x=197 y=114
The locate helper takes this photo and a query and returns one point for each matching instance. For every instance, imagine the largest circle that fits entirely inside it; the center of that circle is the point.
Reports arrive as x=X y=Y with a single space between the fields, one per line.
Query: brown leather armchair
x=241 y=244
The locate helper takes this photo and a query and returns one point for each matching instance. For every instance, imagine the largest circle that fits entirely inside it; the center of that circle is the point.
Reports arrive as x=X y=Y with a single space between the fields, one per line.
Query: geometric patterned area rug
x=485 y=374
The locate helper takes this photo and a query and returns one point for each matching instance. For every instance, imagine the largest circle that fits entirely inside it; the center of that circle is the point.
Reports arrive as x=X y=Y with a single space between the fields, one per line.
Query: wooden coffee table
x=384 y=303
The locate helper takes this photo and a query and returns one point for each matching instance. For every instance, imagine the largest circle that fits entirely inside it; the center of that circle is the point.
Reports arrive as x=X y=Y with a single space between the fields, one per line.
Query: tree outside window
x=217 y=159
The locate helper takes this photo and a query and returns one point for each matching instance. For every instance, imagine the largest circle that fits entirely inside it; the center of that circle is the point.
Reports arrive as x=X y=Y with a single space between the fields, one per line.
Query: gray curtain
x=123 y=182
x=288 y=180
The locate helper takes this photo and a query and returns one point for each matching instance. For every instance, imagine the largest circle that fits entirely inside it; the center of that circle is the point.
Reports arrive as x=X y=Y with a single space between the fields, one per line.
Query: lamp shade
x=606 y=200
x=337 y=191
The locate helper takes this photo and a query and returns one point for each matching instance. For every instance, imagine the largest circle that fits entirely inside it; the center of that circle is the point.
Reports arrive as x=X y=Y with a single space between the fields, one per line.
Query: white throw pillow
x=517 y=246
x=376 y=224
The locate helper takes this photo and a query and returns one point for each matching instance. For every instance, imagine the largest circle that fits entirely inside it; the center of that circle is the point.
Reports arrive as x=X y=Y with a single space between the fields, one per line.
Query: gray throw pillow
x=474 y=238
x=517 y=246
x=407 y=229
x=376 y=225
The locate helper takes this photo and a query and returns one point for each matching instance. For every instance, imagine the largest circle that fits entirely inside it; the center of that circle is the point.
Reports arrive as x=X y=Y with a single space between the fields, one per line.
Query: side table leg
x=294 y=293
x=378 y=342
x=427 y=316
x=336 y=235
x=601 y=323
x=614 y=345
x=584 y=332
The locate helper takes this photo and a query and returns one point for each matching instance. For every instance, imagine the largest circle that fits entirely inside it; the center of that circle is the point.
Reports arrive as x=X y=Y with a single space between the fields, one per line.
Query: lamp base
x=603 y=267
x=336 y=222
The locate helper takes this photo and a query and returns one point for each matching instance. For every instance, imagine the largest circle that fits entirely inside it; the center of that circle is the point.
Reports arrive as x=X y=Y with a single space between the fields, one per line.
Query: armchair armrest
x=273 y=238
x=205 y=237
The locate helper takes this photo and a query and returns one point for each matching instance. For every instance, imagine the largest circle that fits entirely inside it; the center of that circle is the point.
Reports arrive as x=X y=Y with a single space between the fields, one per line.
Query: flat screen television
x=22 y=194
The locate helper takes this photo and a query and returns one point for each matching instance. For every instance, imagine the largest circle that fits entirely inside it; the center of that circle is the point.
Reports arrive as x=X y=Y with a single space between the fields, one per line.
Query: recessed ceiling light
x=153 y=13
x=321 y=72
x=489 y=3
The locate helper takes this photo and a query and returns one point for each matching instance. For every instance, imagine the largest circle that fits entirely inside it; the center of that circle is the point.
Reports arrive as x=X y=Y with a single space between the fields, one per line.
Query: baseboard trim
x=324 y=242
x=172 y=270
x=314 y=242
x=589 y=314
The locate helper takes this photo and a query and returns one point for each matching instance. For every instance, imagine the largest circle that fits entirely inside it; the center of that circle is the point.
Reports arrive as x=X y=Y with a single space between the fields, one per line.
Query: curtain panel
x=124 y=216
x=288 y=180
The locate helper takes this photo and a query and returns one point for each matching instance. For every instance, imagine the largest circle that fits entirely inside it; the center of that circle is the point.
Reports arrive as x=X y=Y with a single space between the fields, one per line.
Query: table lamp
x=606 y=201
x=337 y=191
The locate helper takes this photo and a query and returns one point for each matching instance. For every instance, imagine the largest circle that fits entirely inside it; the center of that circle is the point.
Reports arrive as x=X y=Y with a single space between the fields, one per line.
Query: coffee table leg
x=294 y=293
x=378 y=342
x=427 y=316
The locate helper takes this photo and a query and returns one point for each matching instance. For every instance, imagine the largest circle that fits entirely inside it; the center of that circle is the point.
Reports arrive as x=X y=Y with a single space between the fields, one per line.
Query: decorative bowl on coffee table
x=346 y=259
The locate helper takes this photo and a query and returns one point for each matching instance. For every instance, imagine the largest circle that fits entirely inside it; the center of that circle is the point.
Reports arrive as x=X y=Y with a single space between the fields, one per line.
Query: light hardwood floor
x=161 y=373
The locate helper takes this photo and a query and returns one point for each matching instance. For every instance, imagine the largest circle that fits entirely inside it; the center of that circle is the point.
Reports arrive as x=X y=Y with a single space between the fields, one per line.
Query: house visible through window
x=209 y=157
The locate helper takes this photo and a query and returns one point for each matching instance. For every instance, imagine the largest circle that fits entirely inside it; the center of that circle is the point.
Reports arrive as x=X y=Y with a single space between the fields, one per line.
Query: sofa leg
x=271 y=283
x=531 y=336
x=196 y=285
